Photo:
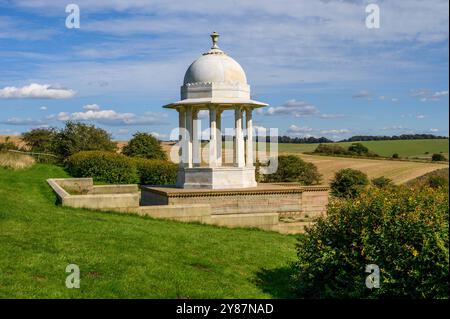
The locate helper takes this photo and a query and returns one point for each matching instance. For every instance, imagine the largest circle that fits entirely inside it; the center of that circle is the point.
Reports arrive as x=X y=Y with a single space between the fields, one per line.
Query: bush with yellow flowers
x=403 y=231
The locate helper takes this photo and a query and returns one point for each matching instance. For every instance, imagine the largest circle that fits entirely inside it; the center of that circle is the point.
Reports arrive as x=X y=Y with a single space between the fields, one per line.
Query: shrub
x=330 y=149
x=107 y=167
x=436 y=157
x=348 y=183
x=156 y=172
x=8 y=145
x=40 y=139
x=434 y=179
x=381 y=182
x=404 y=231
x=354 y=149
x=292 y=168
x=76 y=137
x=144 y=145
x=258 y=176
x=395 y=155
x=437 y=181
x=358 y=148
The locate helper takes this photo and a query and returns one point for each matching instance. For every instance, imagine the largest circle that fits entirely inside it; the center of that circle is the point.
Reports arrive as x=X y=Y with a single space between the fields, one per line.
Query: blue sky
x=323 y=72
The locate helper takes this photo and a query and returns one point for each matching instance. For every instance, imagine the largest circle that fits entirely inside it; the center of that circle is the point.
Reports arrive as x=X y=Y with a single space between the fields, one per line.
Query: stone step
x=293 y=228
x=290 y=220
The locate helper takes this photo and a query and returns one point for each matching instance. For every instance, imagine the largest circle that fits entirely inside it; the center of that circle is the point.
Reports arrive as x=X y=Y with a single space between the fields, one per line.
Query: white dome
x=215 y=66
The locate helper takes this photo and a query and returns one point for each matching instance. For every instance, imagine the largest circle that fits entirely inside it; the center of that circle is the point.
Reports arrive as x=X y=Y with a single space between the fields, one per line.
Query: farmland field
x=399 y=171
x=405 y=148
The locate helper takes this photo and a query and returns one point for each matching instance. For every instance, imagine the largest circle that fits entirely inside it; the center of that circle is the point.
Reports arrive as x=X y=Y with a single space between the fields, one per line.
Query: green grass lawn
x=124 y=255
x=405 y=148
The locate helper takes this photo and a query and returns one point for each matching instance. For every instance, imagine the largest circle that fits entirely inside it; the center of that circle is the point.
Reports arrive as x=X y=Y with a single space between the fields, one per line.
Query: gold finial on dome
x=215 y=38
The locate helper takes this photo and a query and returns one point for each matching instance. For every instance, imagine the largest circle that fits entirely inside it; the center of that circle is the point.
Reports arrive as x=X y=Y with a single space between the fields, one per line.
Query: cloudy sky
x=323 y=72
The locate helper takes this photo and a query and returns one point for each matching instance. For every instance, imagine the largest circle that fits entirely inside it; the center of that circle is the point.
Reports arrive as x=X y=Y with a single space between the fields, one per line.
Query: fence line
x=32 y=153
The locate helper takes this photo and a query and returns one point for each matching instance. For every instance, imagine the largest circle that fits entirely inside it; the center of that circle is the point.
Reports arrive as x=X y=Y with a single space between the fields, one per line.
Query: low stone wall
x=87 y=195
x=286 y=208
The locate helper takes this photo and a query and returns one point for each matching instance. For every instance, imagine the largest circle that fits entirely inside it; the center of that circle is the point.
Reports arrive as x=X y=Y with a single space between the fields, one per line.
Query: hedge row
x=110 y=167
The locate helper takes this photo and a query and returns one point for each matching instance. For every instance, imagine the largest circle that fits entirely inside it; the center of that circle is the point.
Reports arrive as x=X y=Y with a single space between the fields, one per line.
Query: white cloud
x=36 y=91
x=113 y=118
x=420 y=116
x=426 y=95
x=364 y=94
x=293 y=108
x=159 y=135
x=92 y=107
x=23 y=121
x=296 y=130
x=331 y=116
x=43 y=108
x=335 y=131
x=434 y=130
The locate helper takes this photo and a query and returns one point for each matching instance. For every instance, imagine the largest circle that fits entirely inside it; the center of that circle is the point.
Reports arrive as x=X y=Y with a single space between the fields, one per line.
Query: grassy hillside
x=405 y=148
x=124 y=255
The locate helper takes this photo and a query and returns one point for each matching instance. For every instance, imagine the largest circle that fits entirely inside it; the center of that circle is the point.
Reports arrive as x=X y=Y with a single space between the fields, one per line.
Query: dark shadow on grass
x=276 y=282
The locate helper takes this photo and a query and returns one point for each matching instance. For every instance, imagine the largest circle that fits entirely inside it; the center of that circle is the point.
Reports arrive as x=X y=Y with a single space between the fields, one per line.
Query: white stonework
x=215 y=82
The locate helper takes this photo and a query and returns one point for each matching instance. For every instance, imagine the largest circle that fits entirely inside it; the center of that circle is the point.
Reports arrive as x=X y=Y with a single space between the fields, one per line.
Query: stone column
x=219 y=137
x=188 y=162
x=213 y=136
x=182 y=135
x=249 y=126
x=239 y=151
x=196 y=141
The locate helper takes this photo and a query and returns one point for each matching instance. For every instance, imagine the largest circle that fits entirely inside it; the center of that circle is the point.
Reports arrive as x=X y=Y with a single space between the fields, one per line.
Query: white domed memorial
x=215 y=82
x=216 y=191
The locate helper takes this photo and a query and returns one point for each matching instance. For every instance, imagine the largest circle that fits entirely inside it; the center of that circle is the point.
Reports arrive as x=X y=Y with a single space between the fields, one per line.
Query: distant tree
x=292 y=168
x=436 y=157
x=302 y=140
x=330 y=149
x=358 y=148
x=348 y=183
x=144 y=145
x=40 y=139
x=395 y=155
x=76 y=137
x=394 y=137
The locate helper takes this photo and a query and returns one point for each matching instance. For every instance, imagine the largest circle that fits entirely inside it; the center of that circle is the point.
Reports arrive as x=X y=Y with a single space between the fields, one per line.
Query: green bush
x=436 y=157
x=330 y=149
x=381 y=182
x=434 y=179
x=348 y=183
x=358 y=148
x=40 y=140
x=292 y=168
x=404 y=231
x=156 y=172
x=8 y=145
x=437 y=181
x=106 y=167
x=144 y=145
x=395 y=155
x=76 y=137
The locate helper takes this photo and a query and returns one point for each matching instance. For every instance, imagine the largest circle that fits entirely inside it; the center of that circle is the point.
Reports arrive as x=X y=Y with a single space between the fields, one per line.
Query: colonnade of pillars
x=188 y=124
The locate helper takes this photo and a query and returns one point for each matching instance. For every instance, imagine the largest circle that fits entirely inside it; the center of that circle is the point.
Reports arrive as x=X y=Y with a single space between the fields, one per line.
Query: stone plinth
x=294 y=200
x=216 y=177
